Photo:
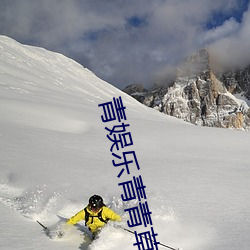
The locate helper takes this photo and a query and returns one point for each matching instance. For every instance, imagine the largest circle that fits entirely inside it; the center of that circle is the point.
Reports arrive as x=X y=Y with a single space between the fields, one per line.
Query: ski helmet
x=96 y=202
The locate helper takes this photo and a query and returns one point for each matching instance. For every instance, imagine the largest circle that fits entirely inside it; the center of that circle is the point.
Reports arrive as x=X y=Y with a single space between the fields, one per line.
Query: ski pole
x=153 y=241
x=45 y=228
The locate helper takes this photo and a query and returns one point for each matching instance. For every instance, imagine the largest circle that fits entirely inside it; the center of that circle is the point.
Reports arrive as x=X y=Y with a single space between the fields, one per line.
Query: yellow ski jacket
x=94 y=223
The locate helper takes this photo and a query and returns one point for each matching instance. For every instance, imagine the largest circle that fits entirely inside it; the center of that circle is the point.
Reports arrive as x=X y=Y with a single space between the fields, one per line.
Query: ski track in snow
x=40 y=204
x=32 y=204
x=36 y=205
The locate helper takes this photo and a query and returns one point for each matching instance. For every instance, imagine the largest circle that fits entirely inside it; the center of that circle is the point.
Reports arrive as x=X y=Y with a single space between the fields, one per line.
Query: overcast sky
x=131 y=41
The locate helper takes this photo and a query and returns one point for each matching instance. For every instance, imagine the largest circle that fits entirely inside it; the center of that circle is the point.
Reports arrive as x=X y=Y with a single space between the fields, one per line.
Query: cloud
x=228 y=28
x=123 y=42
x=233 y=49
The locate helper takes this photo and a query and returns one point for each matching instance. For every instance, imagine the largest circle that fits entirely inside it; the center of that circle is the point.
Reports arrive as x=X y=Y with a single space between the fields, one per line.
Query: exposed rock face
x=237 y=81
x=137 y=91
x=199 y=97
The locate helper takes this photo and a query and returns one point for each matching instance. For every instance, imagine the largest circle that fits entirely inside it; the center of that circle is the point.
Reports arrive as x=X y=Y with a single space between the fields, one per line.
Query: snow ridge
x=55 y=155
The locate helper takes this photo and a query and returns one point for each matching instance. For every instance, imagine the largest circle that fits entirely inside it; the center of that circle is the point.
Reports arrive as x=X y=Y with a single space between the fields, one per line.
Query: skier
x=95 y=214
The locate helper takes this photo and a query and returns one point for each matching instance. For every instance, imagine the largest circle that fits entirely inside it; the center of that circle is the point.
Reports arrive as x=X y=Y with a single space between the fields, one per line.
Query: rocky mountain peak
x=200 y=96
x=196 y=64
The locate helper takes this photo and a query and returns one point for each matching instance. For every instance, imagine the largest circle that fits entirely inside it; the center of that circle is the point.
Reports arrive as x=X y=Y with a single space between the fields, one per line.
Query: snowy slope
x=55 y=154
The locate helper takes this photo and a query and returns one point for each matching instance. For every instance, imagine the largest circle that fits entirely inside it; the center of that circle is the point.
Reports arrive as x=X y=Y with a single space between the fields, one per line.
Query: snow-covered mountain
x=201 y=95
x=55 y=154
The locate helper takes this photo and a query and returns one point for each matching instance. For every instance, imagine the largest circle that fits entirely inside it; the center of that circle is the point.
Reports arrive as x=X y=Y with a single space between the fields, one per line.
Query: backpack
x=99 y=216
